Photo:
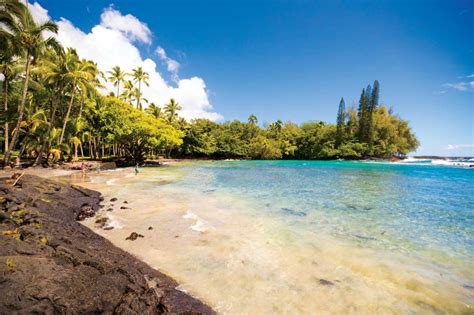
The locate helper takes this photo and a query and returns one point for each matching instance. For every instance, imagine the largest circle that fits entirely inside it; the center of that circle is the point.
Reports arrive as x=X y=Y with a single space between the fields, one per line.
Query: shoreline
x=44 y=246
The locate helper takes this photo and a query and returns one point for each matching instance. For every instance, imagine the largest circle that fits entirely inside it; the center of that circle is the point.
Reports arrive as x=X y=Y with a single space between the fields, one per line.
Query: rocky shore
x=52 y=264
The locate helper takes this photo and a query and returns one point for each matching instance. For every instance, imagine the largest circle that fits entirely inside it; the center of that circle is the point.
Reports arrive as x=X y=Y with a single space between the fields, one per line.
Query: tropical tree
x=129 y=91
x=139 y=75
x=171 y=110
x=81 y=76
x=154 y=110
x=252 y=119
x=117 y=76
x=9 y=67
x=29 y=36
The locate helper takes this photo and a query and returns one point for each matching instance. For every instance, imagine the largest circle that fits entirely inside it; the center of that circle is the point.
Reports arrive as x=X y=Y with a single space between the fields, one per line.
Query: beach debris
x=326 y=282
x=17 y=177
x=150 y=228
x=133 y=236
x=113 y=199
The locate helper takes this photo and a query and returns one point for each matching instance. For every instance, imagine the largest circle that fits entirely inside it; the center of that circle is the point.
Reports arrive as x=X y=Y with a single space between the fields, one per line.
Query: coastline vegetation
x=56 y=106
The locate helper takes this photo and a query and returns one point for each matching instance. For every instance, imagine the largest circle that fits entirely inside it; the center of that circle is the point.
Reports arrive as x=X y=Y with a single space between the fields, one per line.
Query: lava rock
x=58 y=266
x=133 y=236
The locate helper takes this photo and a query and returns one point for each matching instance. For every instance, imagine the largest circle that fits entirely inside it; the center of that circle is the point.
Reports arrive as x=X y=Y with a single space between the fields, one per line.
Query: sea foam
x=199 y=225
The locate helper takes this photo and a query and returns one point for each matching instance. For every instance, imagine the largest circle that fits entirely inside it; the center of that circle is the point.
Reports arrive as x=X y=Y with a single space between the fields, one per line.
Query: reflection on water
x=302 y=237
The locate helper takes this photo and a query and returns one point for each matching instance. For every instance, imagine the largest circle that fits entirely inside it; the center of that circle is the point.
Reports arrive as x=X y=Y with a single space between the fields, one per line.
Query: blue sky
x=294 y=60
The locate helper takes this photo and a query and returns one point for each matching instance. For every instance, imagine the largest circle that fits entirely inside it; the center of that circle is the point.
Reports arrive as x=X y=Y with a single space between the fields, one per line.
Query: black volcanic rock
x=52 y=264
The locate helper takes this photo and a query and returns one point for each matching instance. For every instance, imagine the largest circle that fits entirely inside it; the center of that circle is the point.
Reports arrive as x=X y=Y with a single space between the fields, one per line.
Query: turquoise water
x=413 y=209
x=303 y=237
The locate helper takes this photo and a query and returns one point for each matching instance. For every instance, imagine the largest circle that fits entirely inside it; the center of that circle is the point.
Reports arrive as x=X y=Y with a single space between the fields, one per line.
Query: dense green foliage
x=55 y=107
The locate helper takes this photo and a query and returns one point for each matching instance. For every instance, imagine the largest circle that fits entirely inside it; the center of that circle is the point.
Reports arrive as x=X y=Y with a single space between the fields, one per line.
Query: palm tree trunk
x=5 y=107
x=139 y=94
x=82 y=150
x=90 y=146
x=82 y=105
x=67 y=115
x=46 y=142
x=75 y=151
x=21 y=111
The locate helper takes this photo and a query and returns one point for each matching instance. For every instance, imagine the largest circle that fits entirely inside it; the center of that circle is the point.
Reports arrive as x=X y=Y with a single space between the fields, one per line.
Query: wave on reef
x=438 y=162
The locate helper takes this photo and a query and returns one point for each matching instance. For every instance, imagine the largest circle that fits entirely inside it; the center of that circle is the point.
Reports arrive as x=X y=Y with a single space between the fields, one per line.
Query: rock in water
x=113 y=199
x=51 y=264
x=150 y=228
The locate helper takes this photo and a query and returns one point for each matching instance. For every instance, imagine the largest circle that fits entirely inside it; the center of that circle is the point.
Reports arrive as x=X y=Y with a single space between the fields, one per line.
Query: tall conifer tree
x=372 y=106
x=341 y=122
x=362 y=113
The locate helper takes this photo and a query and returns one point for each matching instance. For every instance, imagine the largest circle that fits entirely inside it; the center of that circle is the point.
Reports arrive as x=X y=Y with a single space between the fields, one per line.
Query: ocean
x=302 y=237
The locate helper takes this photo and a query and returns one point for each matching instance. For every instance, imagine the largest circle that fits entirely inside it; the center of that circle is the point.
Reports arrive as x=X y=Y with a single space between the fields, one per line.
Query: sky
x=289 y=60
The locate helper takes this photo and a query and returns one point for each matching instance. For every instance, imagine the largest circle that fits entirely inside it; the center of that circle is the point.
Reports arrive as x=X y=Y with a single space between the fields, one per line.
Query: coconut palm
x=52 y=70
x=29 y=37
x=154 y=110
x=9 y=52
x=140 y=76
x=9 y=67
x=117 y=76
x=129 y=91
x=252 y=119
x=171 y=110
x=81 y=77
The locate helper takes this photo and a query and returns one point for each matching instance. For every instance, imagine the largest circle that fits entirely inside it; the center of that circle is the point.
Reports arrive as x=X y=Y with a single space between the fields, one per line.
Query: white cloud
x=171 y=64
x=461 y=86
x=458 y=146
x=40 y=15
x=110 y=43
x=127 y=24
x=470 y=76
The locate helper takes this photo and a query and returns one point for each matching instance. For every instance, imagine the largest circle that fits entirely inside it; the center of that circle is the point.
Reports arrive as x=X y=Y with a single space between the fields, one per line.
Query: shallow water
x=302 y=237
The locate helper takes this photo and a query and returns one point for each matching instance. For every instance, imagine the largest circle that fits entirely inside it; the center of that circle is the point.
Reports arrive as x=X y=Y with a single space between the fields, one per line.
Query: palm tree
x=51 y=70
x=171 y=109
x=252 y=119
x=9 y=53
x=140 y=76
x=82 y=75
x=128 y=91
x=154 y=110
x=117 y=76
x=276 y=126
x=29 y=36
x=9 y=67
